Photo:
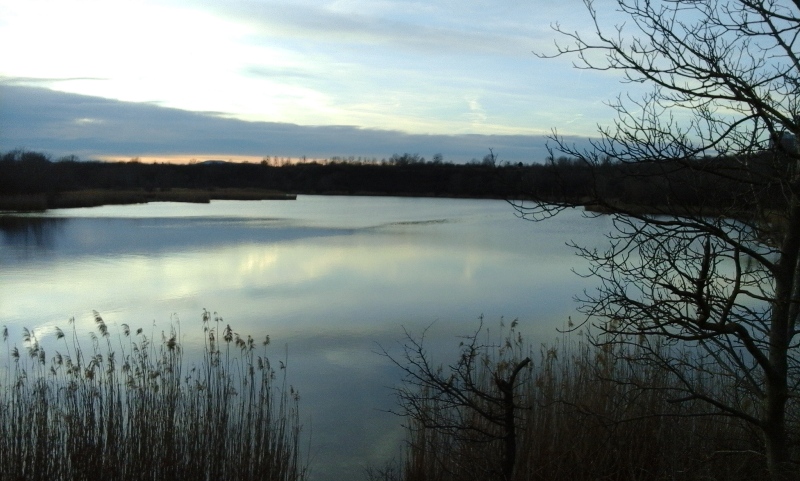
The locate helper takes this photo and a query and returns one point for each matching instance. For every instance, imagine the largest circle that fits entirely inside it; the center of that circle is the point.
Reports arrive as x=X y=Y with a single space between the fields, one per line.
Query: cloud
x=477 y=114
x=379 y=64
x=433 y=29
x=91 y=127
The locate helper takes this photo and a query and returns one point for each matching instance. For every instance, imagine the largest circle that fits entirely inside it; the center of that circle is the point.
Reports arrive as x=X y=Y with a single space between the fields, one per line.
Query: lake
x=332 y=279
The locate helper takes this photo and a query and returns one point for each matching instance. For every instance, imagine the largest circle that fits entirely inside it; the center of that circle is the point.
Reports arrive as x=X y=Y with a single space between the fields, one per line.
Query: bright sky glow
x=436 y=67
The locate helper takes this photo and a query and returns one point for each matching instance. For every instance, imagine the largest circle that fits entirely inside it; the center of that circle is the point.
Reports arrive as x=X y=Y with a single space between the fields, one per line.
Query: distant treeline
x=644 y=184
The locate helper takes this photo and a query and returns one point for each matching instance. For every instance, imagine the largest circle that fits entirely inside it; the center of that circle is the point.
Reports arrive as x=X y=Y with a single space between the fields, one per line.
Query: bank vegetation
x=573 y=410
x=34 y=181
x=133 y=406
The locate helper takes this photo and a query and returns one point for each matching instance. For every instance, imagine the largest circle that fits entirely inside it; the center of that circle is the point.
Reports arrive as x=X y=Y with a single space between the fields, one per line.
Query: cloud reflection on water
x=333 y=282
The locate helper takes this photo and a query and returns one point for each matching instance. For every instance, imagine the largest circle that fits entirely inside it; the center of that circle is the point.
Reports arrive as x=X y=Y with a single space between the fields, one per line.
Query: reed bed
x=131 y=408
x=98 y=197
x=249 y=194
x=23 y=202
x=583 y=415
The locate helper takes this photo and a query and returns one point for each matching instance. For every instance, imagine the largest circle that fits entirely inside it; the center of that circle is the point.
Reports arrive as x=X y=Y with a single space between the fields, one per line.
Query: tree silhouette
x=720 y=288
x=475 y=401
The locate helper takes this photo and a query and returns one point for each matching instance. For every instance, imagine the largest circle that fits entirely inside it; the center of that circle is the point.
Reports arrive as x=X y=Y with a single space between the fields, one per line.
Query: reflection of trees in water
x=37 y=232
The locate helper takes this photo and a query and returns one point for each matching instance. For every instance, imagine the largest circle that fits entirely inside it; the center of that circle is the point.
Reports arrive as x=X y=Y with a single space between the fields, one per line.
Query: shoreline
x=21 y=203
x=40 y=202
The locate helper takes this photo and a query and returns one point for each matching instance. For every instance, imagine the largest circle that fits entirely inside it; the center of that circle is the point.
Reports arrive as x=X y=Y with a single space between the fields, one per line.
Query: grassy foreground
x=130 y=408
x=98 y=197
x=581 y=414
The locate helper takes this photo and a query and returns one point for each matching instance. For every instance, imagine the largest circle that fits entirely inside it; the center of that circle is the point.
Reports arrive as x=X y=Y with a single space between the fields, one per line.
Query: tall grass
x=584 y=415
x=129 y=408
x=97 y=197
x=23 y=202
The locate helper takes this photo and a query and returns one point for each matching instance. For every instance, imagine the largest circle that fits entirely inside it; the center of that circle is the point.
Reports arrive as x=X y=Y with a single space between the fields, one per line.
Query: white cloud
x=86 y=121
x=400 y=65
x=476 y=115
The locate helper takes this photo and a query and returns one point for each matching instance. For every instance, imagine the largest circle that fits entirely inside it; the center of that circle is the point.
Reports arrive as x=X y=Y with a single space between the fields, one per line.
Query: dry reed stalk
x=591 y=415
x=135 y=412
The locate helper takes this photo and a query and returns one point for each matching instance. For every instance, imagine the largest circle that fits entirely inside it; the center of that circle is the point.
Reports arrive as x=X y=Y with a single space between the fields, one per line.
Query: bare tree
x=475 y=401
x=712 y=267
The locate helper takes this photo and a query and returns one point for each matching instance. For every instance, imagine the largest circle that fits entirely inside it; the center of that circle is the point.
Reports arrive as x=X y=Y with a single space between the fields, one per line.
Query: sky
x=238 y=79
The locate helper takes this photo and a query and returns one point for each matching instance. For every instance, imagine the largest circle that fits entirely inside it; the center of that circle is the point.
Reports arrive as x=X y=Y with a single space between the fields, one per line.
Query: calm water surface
x=332 y=278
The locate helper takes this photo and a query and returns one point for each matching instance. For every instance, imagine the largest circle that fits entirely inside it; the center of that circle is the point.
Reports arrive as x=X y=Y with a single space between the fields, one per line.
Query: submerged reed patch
x=131 y=407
